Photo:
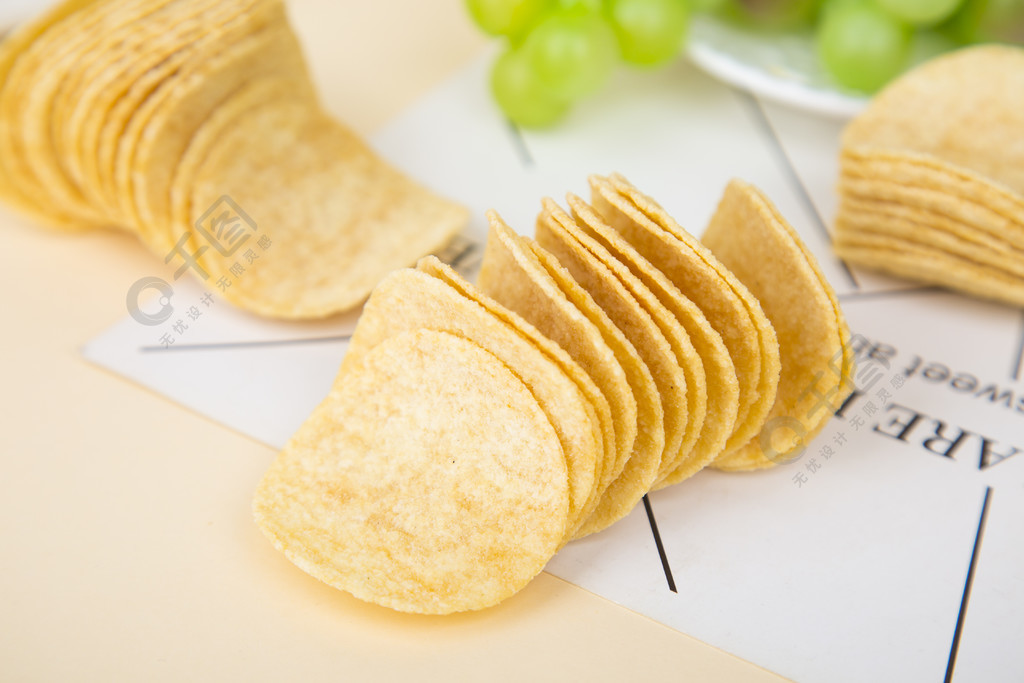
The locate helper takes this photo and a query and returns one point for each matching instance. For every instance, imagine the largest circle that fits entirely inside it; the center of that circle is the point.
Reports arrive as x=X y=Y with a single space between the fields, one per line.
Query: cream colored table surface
x=127 y=551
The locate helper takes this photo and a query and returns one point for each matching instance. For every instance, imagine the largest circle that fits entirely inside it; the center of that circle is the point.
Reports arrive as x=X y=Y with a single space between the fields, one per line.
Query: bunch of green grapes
x=558 y=51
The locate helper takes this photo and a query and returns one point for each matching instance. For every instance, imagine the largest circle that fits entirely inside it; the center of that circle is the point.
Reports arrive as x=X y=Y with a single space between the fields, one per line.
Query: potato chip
x=888 y=220
x=527 y=279
x=851 y=203
x=103 y=137
x=429 y=480
x=570 y=360
x=179 y=109
x=925 y=263
x=598 y=236
x=721 y=389
x=747 y=234
x=103 y=122
x=410 y=299
x=158 y=132
x=968 y=200
x=12 y=48
x=42 y=72
x=920 y=170
x=136 y=28
x=260 y=93
x=558 y=235
x=347 y=219
x=965 y=107
x=597 y=404
x=726 y=303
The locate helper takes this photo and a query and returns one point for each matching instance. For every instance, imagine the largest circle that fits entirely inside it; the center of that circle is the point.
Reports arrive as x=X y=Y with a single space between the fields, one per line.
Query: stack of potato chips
x=932 y=176
x=194 y=124
x=473 y=430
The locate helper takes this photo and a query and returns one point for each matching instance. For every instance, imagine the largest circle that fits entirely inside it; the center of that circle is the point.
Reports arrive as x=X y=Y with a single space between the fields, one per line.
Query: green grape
x=520 y=93
x=572 y=52
x=506 y=17
x=920 y=12
x=862 y=46
x=649 y=31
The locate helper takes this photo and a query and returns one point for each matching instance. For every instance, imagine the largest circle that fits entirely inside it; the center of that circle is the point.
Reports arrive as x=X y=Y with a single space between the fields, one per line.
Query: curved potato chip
x=752 y=240
x=530 y=281
x=965 y=107
x=408 y=300
x=260 y=93
x=680 y=452
x=347 y=219
x=12 y=49
x=557 y=235
x=962 y=197
x=99 y=119
x=598 y=408
x=926 y=263
x=176 y=111
x=429 y=480
x=41 y=75
x=898 y=221
x=721 y=387
x=160 y=130
x=726 y=303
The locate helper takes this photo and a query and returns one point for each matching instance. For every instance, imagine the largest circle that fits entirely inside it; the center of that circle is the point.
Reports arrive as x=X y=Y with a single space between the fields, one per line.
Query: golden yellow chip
x=411 y=299
x=608 y=247
x=28 y=103
x=595 y=402
x=558 y=235
x=173 y=116
x=513 y=279
x=93 y=80
x=924 y=262
x=12 y=48
x=965 y=107
x=132 y=26
x=721 y=388
x=747 y=234
x=151 y=145
x=344 y=220
x=960 y=197
x=726 y=303
x=103 y=122
x=530 y=281
x=94 y=111
x=428 y=481
x=260 y=93
x=928 y=228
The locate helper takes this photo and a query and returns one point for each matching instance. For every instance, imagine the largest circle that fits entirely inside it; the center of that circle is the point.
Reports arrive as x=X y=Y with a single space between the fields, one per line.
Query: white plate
x=781 y=67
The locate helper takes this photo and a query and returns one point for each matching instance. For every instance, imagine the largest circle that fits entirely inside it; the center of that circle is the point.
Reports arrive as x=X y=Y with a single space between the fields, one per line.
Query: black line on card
x=951 y=664
x=463 y=253
x=661 y=548
x=1019 y=360
x=887 y=293
x=794 y=178
x=219 y=346
x=520 y=144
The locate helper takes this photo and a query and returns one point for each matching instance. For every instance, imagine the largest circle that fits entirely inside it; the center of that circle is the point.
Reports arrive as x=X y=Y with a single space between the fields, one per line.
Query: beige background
x=126 y=546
